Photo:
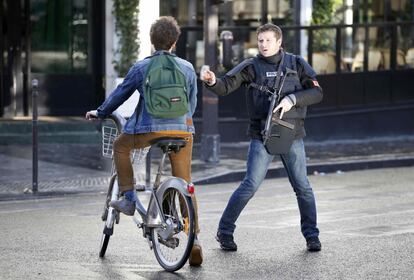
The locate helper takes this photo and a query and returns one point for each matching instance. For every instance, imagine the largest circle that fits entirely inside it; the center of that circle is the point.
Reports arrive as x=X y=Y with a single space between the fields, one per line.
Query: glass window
x=249 y=12
x=375 y=59
x=350 y=46
x=405 y=47
x=323 y=55
x=59 y=36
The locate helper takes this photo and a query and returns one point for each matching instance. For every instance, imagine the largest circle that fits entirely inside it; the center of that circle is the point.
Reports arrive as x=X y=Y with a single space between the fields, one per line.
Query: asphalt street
x=366 y=219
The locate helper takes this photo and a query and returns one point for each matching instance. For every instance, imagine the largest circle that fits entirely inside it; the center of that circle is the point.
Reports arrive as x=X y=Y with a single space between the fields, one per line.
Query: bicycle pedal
x=140 y=188
x=104 y=214
x=137 y=222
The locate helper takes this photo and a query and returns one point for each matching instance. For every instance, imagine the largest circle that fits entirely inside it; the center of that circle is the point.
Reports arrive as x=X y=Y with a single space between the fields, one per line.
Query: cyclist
x=141 y=128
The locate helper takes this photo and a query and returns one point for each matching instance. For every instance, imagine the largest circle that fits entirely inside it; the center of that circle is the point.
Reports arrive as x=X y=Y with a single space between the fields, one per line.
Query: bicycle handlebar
x=119 y=120
x=116 y=117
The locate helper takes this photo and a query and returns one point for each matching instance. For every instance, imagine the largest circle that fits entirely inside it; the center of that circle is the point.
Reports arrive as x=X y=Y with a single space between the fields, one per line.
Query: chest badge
x=272 y=74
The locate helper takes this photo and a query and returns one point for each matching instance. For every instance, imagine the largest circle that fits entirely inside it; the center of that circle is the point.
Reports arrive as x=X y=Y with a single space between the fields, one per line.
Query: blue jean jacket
x=141 y=121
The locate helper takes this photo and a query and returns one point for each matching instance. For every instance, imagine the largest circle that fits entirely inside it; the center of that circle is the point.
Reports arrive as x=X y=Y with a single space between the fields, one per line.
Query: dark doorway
x=14 y=46
x=60 y=43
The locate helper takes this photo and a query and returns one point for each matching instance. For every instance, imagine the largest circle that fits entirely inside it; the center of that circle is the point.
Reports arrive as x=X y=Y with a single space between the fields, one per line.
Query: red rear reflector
x=190 y=188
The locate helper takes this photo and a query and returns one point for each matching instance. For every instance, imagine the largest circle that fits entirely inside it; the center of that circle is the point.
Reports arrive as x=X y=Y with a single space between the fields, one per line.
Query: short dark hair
x=164 y=33
x=270 y=27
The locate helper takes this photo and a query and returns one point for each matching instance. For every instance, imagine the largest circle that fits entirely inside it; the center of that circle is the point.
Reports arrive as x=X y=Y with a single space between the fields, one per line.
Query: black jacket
x=245 y=74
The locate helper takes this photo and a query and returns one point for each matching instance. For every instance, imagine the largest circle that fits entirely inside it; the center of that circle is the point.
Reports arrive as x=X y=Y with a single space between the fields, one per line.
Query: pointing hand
x=208 y=77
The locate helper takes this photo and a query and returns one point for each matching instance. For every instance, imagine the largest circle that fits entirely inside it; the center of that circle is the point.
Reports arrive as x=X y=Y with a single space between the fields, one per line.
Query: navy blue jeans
x=258 y=161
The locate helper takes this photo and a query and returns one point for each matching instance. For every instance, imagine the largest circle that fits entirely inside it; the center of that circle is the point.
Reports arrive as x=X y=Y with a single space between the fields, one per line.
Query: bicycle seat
x=168 y=144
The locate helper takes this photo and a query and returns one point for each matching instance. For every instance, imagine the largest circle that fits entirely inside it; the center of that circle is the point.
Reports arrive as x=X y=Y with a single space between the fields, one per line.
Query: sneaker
x=226 y=242
x=313 y=244
x=124 y=206
x=196 y=255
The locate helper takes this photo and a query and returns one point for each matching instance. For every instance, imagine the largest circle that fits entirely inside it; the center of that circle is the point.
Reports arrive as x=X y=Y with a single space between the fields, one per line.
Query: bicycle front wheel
x=172 y=245
x=104 y=244
x=109 y=217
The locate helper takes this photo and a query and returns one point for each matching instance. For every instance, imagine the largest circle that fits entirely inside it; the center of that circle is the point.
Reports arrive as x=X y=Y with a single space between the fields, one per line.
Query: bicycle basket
x=109 y=135
x=138 y=155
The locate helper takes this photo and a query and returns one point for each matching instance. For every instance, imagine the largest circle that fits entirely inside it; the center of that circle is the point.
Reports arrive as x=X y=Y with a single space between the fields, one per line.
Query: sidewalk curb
x=42 y=195
x=328 y=167
x=344 y=164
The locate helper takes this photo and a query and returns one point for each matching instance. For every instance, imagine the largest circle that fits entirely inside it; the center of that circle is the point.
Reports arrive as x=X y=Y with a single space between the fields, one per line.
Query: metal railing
x=293 y=42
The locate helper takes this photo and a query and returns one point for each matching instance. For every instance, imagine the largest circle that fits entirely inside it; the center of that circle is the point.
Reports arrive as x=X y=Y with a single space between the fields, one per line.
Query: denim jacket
x=141 y=121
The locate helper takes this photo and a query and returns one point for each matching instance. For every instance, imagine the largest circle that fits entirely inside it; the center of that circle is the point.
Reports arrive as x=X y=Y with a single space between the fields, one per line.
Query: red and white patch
x=315 y=83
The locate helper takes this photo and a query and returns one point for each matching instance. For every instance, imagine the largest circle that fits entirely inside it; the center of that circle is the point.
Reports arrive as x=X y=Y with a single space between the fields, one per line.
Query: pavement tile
x=71 y=167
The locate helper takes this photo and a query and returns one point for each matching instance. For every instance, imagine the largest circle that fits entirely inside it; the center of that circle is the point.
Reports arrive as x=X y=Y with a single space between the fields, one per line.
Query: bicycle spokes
x=173 y=242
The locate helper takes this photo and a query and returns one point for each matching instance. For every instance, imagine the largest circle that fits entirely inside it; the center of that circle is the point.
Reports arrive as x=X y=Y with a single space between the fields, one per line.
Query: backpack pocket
x=167 y=101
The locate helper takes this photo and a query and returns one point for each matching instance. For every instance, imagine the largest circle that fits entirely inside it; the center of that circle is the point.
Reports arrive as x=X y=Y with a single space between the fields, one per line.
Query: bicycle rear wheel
x=172 y=245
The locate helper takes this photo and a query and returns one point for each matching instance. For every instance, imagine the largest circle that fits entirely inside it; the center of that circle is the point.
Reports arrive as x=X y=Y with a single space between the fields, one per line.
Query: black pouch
x=280 y=136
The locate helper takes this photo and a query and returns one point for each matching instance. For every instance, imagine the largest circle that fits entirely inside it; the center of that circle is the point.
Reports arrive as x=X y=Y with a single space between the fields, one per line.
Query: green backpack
x=165 y=88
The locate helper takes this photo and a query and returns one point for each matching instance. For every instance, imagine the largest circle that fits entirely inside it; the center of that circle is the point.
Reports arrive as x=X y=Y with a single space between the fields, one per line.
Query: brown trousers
x=180 y=162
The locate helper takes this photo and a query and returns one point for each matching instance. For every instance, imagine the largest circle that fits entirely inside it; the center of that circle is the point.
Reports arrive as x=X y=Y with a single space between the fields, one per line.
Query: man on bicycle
x=142 y=129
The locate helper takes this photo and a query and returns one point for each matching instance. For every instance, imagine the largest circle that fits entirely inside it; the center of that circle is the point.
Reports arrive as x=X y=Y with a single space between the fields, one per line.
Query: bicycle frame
x=154 y=207
x=153 y=216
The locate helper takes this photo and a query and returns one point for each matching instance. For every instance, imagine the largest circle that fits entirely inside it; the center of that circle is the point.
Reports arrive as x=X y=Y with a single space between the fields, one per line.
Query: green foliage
x=322 y=14
x=125 y=13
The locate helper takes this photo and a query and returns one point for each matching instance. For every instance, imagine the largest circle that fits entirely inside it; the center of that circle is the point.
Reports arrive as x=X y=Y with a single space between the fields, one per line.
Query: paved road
x=366 y=220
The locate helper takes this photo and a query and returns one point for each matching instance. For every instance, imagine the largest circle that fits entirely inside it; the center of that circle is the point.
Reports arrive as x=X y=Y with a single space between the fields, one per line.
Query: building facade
x=362 y=50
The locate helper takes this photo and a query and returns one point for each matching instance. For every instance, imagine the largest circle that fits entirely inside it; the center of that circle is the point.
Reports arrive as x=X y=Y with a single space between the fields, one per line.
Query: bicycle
x=168 y=220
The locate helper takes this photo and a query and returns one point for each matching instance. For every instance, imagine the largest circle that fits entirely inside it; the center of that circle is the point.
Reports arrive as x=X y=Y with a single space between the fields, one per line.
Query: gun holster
x=279 y=138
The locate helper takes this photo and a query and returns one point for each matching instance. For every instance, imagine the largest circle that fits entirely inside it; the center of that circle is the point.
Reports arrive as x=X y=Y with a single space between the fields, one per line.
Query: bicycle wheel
x=172 y=245
x=104 y=245
x=109 y=216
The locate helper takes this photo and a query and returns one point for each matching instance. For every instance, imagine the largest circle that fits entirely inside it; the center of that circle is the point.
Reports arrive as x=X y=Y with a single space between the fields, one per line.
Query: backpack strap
x=261 y=88
x=293 y=59
x=294 y=63
x=266 y=89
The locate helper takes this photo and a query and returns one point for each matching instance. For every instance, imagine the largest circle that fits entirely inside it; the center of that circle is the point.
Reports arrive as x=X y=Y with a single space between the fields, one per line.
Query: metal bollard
x=35 y=93
x=226 y=37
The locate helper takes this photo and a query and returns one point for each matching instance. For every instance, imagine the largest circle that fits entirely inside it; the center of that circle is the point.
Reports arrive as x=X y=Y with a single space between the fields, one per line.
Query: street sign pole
x=35 y=93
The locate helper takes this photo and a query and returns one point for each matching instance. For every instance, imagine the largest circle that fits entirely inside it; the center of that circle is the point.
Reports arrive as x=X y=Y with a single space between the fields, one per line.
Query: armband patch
x=315 y=83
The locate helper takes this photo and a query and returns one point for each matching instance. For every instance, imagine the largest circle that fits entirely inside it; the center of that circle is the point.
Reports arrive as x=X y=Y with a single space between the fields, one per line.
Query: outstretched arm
x=230 y=82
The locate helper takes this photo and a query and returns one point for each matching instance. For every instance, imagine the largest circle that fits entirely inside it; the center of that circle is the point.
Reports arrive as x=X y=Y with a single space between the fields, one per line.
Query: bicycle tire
x=104 y=244
x=184 y=230
x=107 y=232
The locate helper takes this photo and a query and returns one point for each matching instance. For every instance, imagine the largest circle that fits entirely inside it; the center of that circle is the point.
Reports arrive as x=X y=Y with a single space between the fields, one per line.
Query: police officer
x=300 y=90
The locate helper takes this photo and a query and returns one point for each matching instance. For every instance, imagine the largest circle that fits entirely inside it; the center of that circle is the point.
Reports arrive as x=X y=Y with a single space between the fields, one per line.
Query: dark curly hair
x=270 y=27
x=164 y=33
